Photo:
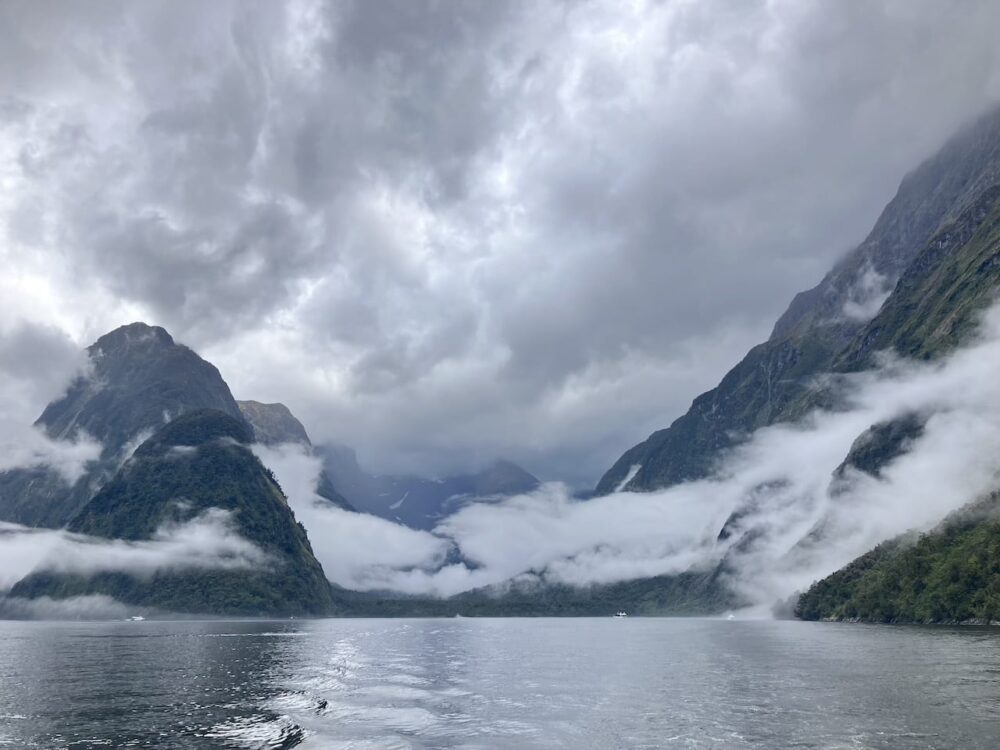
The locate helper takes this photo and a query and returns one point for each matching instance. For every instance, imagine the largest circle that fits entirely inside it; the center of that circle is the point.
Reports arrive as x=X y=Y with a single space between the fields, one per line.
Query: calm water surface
x=471 y=683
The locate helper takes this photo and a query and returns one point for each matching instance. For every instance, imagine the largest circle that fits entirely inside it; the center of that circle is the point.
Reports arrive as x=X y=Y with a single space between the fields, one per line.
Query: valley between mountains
x=847 y=468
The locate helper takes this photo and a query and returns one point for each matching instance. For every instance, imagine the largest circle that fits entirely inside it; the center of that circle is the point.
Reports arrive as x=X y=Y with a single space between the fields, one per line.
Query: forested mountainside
x=936 y=249
x=951 y=574
x=198 y=463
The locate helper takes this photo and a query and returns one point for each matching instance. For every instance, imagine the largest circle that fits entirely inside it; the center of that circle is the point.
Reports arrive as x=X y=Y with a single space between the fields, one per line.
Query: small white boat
x=620 y=614
x=136 y=618
x=731 y=617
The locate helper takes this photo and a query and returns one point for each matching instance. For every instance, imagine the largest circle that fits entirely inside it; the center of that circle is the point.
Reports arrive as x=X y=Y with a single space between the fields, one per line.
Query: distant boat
x=731 y=617
x=620 y=614
x=136 y=618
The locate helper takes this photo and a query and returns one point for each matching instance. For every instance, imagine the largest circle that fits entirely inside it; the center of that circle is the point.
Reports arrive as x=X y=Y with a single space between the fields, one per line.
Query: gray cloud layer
x=784 y=474
x=446 y=232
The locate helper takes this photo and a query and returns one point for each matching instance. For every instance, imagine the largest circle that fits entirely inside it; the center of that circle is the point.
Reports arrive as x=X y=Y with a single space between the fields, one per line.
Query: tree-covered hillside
x=951 y=574
x=198 y=462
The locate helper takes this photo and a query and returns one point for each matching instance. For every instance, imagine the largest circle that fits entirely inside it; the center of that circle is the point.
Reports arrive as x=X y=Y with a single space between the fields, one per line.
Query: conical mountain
x=139 y=380
x=196 y=467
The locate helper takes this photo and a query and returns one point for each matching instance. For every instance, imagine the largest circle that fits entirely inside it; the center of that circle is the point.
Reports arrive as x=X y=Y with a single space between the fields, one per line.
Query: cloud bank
x=798 y=523
x=523 y=229
x=206 y=541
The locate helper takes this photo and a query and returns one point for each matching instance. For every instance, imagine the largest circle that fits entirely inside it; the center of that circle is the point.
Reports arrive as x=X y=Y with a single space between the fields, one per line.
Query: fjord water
x=477 y=683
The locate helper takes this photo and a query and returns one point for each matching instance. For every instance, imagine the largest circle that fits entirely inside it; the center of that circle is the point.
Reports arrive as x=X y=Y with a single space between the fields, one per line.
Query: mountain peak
x=132 y=335
x=140 y=379
x=273 y=424
x=504 y=477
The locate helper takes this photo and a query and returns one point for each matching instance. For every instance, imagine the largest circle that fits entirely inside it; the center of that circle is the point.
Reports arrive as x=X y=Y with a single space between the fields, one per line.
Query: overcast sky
x=446 y=232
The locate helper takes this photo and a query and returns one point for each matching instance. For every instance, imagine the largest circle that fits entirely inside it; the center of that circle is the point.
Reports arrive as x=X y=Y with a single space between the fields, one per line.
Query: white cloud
x=27 y=447
x=206 y=541
x=356 y=550
x=865 y=298
x=783 y=473
x=473 y=218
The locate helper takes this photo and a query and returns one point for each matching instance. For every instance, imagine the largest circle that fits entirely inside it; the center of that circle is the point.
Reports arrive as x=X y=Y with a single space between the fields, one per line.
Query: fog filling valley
x=785 y=472
x=448 y=234
x=805 y=524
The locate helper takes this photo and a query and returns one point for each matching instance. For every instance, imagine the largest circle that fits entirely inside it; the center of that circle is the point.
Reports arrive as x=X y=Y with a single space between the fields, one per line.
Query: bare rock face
x=273 y=424
x=831 y=326
x=139 y=380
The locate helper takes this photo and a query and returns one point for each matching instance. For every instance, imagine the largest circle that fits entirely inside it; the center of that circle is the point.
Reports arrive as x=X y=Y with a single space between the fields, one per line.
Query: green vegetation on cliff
x=936 y=210
x=198 y=462
x=692 y=593
x=951 y=574
x=139 y=379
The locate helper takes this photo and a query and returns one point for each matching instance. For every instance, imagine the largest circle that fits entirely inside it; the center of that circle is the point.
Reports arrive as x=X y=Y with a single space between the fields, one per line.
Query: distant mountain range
x=914 y=286
x=415 y=501
x=175 y=446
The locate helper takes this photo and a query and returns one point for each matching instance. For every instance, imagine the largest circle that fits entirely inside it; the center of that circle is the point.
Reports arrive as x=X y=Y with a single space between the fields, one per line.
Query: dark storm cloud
x=447 y=231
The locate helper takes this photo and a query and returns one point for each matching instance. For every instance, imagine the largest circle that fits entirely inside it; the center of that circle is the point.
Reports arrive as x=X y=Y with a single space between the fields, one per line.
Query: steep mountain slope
x=197 y=463
x=932 y=309
x=951 y=574
x=415 y=501
x=771 y=382
x=936 y=300
x=939 y=284
x=139 y=380
x=274 y=424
